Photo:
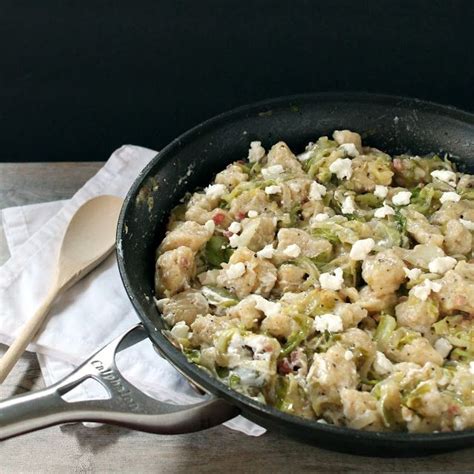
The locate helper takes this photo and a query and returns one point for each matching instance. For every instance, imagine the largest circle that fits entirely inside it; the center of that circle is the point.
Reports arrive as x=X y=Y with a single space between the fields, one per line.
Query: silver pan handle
x=127 y=406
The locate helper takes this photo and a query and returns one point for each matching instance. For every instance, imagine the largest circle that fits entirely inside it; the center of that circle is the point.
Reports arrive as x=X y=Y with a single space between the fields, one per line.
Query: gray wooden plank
x=75 y=448
x=28 y=183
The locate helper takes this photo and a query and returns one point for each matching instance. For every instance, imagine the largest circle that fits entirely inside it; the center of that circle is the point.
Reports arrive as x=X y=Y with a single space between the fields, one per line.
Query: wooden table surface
x=75 y=448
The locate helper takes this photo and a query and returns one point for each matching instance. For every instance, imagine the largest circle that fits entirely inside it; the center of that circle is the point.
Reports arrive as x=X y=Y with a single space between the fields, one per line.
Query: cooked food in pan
x=336 y=285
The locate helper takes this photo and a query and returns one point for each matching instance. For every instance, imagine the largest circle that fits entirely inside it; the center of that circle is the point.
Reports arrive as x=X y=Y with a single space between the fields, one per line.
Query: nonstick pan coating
x=393 y=124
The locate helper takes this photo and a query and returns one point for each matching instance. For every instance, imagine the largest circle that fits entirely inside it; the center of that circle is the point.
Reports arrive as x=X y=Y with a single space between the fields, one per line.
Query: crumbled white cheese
x=348 y=205
x=382 y=365
x=342 y=168
x=269 y=308
x=412 y=274
x=235 y=270
x=292 y=251
x=348 y=355
x=256 y=152
x=384 y=211
x=305 y=156
x=361 y=249
x=234 y=240
x=442 y=264
x=180 y=330
x=332 y=281
x=215 y=190
x=402 y=198
x=316 y=191
x=272 y=171
x=235 y=227
x=252 y=214
x=423 y=290
x=469 y=225
x=443 y=347
x=471 y=367
x=446 y=176
x=275 y=189
x=380 y=191
x=328 y=322
x=321 y=217
x=210 y=226
x=449 y=196
x=267 y=252
x=161 y=303
x=350 y=149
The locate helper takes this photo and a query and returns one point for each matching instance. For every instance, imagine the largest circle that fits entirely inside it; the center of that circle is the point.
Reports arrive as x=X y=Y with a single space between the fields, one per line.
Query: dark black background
x=78 y=79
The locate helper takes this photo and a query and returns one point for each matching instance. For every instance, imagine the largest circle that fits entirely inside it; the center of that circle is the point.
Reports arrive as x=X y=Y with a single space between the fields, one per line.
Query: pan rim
x=251 y=408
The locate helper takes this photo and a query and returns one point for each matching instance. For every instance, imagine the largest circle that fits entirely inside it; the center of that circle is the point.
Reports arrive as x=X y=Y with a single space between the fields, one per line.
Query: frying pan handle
x=127 y=406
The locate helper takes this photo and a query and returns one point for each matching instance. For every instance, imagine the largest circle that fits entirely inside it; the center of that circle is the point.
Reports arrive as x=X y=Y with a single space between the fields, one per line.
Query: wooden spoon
x=89 y=239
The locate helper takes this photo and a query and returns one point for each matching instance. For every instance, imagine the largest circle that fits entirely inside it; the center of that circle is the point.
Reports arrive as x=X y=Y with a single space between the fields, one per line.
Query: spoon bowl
x=89 y=238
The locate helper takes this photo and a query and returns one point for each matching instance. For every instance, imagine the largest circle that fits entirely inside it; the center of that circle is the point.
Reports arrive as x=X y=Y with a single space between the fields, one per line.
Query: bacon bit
x=397 y=164
x=284 y=367
x=240 y=216
x=453 y=410
x=218 y=218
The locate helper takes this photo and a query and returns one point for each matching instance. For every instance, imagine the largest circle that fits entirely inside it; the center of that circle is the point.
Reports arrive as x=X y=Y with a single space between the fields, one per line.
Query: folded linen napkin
x=96 y=309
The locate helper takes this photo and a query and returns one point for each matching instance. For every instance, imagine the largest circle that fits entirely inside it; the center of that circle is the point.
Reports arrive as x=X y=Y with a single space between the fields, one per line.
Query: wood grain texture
x=75 y=448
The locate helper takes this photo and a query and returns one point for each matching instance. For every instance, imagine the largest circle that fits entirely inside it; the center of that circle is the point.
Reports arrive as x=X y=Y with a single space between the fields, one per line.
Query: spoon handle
x=27 y=332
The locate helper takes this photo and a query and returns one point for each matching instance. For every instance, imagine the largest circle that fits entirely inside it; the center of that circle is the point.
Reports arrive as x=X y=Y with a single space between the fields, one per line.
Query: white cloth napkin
x=92 y=312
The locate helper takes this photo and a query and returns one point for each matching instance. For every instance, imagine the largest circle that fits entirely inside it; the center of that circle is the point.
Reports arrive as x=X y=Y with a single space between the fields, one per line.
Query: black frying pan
x=392 y=124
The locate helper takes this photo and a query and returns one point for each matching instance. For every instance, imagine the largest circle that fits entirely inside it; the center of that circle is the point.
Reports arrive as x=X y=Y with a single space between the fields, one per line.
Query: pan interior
x=392 y=124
